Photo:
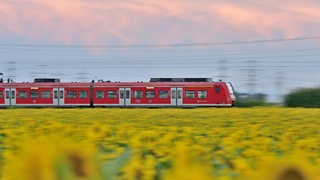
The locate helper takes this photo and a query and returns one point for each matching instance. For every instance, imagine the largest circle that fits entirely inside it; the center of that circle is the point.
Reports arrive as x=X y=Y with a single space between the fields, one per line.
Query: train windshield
x=230 y=88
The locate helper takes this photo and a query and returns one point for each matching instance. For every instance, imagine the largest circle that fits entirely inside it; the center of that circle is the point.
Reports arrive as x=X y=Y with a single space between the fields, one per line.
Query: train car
x=169 y=92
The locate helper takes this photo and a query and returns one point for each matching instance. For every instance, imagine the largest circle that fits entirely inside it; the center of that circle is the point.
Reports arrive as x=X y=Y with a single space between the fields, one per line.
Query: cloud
x=166 y=21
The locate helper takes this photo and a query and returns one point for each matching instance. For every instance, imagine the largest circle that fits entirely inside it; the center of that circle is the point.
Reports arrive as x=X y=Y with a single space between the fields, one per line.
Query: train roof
x=107 y=84
x=180 y=79
x=137 y=84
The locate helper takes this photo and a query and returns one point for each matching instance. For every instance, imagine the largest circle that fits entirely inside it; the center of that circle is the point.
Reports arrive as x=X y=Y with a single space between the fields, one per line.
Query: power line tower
x=1 y=77
x=41 y=70
x=252 y=73
x=83 y=76
x=279 y=80
x=11 y=70
x=222 y=69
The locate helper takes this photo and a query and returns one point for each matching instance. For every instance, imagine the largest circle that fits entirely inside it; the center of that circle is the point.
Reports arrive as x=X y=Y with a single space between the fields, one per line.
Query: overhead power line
x=160 y=45
x=172 y=59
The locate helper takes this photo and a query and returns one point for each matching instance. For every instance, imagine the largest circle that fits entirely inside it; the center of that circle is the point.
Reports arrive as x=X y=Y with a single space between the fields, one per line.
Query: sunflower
x=50 y=160
x=293 y=167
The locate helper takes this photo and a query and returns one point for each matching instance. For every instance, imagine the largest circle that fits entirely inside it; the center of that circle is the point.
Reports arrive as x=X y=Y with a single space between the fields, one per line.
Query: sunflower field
x=160 y=144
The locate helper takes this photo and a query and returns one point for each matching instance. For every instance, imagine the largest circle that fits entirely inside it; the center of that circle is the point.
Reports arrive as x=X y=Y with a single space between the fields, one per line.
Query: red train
x=159 y=92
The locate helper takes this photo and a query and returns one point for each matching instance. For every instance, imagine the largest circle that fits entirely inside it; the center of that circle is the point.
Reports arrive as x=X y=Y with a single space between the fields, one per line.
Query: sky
x=266 y=46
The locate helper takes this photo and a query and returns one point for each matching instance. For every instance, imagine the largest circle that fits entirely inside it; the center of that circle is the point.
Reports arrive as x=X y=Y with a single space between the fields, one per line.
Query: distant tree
x=251 y=100
x=305 y=97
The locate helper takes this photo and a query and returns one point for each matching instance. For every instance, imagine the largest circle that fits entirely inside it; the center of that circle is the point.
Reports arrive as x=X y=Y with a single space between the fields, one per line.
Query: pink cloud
x=147 y=22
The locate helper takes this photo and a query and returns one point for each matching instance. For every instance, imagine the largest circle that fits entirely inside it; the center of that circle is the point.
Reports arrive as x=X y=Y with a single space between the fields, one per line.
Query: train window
x=22 y=94
x=121 y=94
x=45 y=94
x=0 y=94
x=71 y=94
x=163 y=94
x=202 y=94
x=13 y=94
x=112 y=94
x=173 y=94
x=83 y=94
x=190 y=94
x=7 y=95
x=127 y=94
x=149 y=94
x=99 y=94
x=179 y=94
x=61 y=94
x=34 y=94
x=217 y=90
x=55 y=94
x=137 y=94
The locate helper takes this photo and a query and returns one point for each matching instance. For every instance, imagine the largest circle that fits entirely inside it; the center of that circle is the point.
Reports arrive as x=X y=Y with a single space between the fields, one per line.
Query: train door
x=124 y=96
x=176 y=96
x=1 y=96
x=58 y=96
x=10 y=98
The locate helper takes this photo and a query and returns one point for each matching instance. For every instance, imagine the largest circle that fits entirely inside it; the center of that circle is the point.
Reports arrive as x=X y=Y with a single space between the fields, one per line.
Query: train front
x=232 y=93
